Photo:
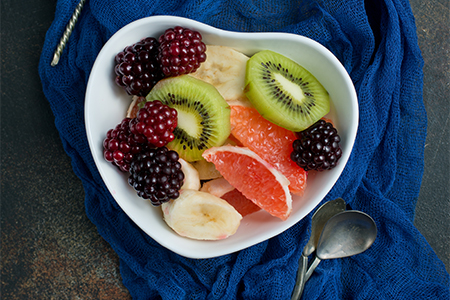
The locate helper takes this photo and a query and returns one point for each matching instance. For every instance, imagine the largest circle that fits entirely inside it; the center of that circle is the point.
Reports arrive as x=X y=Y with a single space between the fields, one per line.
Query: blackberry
x=121 y=145
x=156 y=121
x=181 y=51
x=156 y=175
x=317 y=148
x=137 y=67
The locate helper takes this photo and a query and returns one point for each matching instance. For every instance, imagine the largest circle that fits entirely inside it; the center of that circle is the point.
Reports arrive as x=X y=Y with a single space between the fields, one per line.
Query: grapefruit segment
x=253 y=177
x=242 y=204
x=271 y=142
x=220 y=187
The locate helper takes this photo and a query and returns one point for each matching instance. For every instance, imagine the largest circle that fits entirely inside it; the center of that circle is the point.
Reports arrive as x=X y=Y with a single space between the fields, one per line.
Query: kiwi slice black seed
x=203 y=114
x=284 y=92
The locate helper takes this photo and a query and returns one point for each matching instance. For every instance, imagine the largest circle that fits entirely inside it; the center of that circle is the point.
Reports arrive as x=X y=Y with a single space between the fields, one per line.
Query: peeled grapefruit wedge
x=271 y=142
x=242 y=204
x=253 y=177
x=220 y=187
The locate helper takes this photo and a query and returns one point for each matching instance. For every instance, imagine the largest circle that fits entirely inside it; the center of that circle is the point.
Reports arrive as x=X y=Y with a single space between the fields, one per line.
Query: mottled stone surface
x=50 y=249
x=433 y=207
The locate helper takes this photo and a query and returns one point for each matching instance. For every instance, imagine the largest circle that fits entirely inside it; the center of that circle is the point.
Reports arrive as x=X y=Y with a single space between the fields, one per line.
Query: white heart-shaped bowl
x=106 y=105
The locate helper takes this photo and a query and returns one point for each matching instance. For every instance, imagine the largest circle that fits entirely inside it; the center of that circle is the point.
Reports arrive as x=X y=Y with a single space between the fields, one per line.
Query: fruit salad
x=212 y=135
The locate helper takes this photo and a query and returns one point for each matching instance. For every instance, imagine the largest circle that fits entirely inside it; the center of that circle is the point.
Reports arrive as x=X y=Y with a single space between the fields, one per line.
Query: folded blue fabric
x=376 y=42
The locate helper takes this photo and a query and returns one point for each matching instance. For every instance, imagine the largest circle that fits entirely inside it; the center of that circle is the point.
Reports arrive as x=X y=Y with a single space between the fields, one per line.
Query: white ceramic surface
x=106 y=105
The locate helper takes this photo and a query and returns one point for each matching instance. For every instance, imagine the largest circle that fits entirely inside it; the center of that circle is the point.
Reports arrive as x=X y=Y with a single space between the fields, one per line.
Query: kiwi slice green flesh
x=203 y=114
x=284 y=92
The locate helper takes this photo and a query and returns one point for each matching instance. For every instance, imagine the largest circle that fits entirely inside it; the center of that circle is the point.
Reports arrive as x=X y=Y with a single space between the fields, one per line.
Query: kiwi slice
x=284 y=92
x=203 y=114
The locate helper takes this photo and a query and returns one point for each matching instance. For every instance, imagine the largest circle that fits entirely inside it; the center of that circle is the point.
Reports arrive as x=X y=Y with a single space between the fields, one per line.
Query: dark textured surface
x=49 y=248
x=433 y=207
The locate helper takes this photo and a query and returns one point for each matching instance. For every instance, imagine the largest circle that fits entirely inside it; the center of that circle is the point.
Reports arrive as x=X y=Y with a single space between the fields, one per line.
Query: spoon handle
x=311 y=269
x=68 y=31
x=300 y=283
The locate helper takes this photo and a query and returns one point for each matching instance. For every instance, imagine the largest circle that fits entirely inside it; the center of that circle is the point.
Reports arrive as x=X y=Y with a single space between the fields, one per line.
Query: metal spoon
x=346 y=234
x=318 y=221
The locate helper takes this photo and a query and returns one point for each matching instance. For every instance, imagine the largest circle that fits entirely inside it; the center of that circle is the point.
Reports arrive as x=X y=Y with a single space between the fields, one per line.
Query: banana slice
x=217 y=187
x=224 y=68
x=206 y=170
x=191 y=177
x=201 y=216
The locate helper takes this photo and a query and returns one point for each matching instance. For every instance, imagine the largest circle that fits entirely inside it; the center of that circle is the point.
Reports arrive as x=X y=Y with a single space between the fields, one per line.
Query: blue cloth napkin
x=376 y=42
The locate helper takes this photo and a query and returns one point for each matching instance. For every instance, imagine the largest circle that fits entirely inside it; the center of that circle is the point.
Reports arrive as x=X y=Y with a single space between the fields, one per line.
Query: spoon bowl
x=318 y=221
x=346 y=234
